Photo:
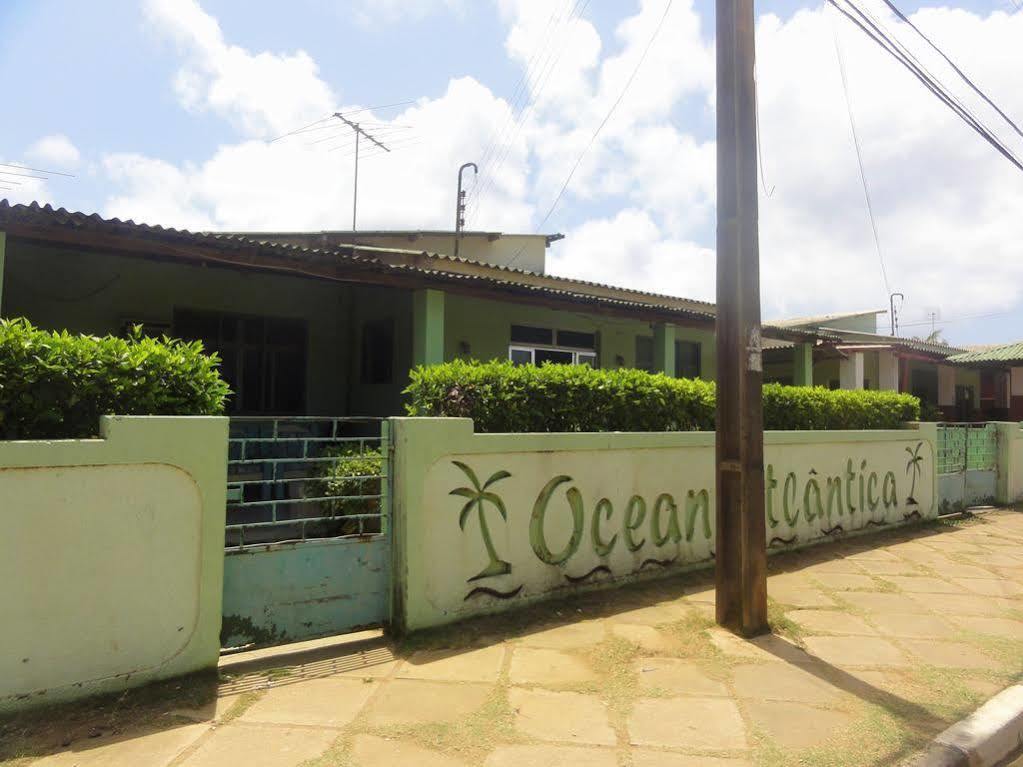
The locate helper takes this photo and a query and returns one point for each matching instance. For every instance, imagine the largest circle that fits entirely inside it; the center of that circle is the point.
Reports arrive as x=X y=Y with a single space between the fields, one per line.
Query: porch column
x=3 y=248
x=946 y=386
x=427 y=327
x=850 y=371
x=802 y=365
x=664 y=349
x=887 y=371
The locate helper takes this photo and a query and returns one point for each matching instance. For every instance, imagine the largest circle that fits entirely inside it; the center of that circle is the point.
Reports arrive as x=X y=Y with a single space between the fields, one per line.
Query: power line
x=600 y=127
x=953 y=319
x=36 y=170
x=859 y=161
x=332 y=115
x=359 y=131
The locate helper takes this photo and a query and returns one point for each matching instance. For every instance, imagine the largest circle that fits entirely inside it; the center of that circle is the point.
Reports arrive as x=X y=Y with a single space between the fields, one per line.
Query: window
x=263 y=359
x=535 y=346
x=645 y=353
x=378 y=352
x=687 y=359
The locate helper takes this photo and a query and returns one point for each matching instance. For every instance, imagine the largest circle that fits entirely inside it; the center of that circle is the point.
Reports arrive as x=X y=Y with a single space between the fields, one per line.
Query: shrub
x=354 y=473
x=57 y=385
x=501 y=397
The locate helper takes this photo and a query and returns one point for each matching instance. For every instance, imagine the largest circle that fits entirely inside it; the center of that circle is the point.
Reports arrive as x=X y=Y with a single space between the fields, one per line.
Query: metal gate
x=967 y=465
x=307 y=549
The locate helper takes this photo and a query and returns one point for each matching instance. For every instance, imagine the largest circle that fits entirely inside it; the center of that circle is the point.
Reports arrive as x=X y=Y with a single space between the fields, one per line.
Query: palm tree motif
x=478 y=497
x=914 y=465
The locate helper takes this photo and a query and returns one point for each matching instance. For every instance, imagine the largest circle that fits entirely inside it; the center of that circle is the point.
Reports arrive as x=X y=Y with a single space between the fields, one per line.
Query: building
x=330 y=323
x=1001 y=379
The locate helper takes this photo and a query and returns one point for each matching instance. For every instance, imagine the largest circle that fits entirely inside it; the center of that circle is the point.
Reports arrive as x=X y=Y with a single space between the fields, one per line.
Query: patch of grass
x=240 y=706
x=338 y=755
x=782 y=624
x=885 y=586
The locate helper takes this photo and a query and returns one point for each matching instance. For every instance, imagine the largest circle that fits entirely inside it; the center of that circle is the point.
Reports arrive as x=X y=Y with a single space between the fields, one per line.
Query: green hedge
x=57 y=385
x=501 y=397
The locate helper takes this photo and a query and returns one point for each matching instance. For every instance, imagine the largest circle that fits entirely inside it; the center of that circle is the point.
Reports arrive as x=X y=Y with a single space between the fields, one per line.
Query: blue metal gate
x=307 y=549
x=967 y=465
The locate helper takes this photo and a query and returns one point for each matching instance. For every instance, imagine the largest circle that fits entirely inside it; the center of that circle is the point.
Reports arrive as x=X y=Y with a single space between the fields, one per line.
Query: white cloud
x=55 y=152
x=264 y=93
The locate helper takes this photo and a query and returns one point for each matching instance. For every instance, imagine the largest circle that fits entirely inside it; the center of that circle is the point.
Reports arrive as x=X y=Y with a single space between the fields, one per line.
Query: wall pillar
x=887 y=371
x=3 y=248
x=1016 y=394
x=802 y=365
x=664 y=349
x=946 y=386
x=851 y=371
x=427 y=327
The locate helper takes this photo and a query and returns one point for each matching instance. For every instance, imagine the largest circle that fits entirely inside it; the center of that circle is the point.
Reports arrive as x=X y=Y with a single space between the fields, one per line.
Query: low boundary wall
x=111 y=557
x=485 y=522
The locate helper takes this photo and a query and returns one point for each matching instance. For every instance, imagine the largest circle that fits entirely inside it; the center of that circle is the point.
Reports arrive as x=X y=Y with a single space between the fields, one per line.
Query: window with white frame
x=535 y=346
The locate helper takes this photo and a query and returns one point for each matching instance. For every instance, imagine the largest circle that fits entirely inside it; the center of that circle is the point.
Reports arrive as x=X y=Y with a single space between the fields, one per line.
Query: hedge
x=57 y=385
x=501 y=397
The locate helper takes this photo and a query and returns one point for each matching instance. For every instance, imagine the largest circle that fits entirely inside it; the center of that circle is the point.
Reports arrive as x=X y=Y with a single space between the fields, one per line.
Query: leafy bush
x=501 y=397
x=57 y=385
x=354 y=473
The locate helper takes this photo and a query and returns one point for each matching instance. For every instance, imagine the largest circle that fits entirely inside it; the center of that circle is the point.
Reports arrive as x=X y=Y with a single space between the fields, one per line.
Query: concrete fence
x=111 y=557
x=485 y=522
x=1010 y=463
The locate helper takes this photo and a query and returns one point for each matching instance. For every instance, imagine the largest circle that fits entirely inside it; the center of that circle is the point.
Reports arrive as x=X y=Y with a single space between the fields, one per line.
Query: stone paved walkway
x=879 y=644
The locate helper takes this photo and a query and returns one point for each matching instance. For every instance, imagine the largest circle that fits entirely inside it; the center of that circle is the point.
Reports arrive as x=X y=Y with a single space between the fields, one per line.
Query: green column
x=427 y=327
x=802 y=365
x=3 y=248
x=664 y=349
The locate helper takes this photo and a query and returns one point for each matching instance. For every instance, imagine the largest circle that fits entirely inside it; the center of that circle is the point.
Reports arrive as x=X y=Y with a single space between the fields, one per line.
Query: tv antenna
x=359 y=131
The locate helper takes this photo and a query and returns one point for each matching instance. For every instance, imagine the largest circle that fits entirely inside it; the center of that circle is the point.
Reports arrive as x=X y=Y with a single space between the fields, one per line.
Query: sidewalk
x=880 y=643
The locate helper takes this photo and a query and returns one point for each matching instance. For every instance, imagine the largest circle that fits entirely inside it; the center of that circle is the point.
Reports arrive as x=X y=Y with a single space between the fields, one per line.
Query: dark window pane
x=587 y=359
x=687 y=359
x=577 y=340
x=552 y=355
x=645 y=353
x=521 y=357
x=229 y=329
x=289 y=381
x=285 y=332
x=522 y=334
x=198 y=326
x=252 y=381
x=378 y=352
x=252 y=329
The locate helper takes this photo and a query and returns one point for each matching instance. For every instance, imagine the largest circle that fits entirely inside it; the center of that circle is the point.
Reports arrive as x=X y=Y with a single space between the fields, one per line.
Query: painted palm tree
x=478 y=496
x=914 y=465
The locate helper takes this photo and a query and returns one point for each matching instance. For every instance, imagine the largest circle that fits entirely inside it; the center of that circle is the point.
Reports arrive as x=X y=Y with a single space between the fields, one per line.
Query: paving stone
x=984 y=687
x=568 y=637
x=415 y=701
x=873 y=555
x=830 y=567
x=783 y=682
x=959 y=570
x=769 y=647
x=551 y=756
x=885 y=603
x=655 y=615
x=955 y=654
x=884 y=568
x=913 y=626
x=700 y=594
x=482 y=665
x=328 y=702
x=691 y=723
x=804 y=596
x=647 y=637
x=532 y=665
x=1000 y=627
x=856 y=651
x=1000 y=587
x=925 y=556
x=642 y=757
x=371 y=751
x=995 y=559
x=376 y=666
x=795 y=725
x=154 y=748
x=675 y=676
x=830 y=621
x=963 y=604
x=847 y=582
x=567 y=717
x=210 y=711
x=922 y=584
x=260 y=745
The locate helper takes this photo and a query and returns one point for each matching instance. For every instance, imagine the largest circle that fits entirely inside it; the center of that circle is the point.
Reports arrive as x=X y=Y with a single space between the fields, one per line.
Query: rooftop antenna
x=358 y=131
x=460 y=203
x=893 y=316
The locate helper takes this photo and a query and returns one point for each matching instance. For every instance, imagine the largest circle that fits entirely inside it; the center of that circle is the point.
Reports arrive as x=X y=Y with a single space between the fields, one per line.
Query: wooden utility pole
x=741 y=548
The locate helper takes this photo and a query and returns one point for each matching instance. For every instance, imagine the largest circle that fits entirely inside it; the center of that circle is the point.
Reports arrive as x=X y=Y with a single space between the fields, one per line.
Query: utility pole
x=358 y=130
x=460 y=204
x=894 y=316
x=741 y=548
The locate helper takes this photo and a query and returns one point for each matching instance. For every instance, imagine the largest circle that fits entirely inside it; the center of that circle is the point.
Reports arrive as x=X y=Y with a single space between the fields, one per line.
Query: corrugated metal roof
x=992 y=354
x=910 y=344
x=823 y=319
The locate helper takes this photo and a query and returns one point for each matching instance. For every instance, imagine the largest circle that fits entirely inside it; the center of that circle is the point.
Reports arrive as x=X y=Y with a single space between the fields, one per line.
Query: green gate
x=967 y=465
x=307 y=548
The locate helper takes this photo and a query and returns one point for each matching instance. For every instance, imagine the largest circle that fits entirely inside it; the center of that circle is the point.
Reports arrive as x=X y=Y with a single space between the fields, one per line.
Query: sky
x=167 y=111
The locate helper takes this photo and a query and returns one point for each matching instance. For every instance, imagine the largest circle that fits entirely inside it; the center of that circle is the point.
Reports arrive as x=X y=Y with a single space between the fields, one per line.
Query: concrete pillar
x=887 y=371
x=3 y=248
x=427 y=327
x=664 y=349
x=946 y=386
x=802 y=365
x=851 y=371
